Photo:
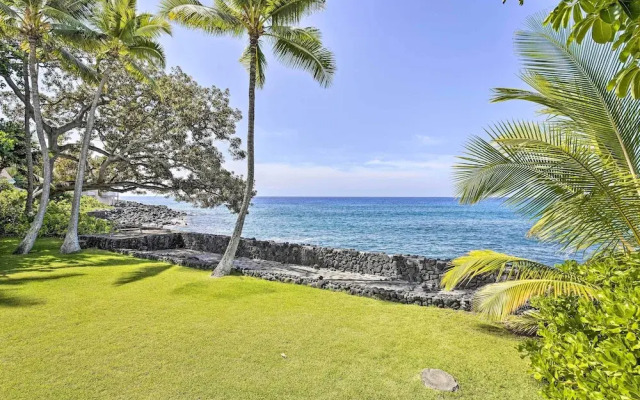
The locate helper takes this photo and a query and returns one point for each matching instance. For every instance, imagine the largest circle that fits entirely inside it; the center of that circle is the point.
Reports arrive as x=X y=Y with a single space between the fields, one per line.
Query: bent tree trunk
x=30 y=238
x=226 y=264
x=71 y=243
x=28 y=206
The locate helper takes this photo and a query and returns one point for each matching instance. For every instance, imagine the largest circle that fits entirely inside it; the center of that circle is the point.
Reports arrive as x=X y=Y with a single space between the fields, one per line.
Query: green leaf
x=581 y=29
x=625 y=82
x=635 y=87
x=588 y=6
x=631 y=8
x=577 y=13
x=602 y=32
x=608 y=15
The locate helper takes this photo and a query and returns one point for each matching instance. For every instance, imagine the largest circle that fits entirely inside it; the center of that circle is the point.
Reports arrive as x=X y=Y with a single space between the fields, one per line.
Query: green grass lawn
x=102 y=325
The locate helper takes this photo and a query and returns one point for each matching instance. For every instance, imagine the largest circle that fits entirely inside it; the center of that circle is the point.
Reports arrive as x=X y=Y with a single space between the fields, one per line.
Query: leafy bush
x=590 y=350
x=13 y=221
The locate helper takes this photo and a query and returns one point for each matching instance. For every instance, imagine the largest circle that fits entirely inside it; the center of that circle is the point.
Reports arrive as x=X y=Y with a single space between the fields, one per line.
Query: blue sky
x=413 y=83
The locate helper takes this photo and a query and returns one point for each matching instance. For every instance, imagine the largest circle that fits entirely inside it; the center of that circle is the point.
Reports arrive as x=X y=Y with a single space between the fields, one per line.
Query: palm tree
x=39 y=23
x=124 y=37
x=258 y=19
x=575 y=174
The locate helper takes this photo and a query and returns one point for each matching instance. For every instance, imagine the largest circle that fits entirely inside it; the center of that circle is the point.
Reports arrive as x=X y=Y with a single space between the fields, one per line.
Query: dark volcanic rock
x=404 y=279
x=130 y=214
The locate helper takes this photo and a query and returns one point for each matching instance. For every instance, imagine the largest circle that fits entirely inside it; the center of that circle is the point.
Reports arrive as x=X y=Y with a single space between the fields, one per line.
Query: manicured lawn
x=101 y=325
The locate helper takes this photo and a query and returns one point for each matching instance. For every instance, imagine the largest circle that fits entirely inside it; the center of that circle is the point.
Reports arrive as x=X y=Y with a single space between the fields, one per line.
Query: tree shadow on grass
x=46 y=258
x=142 y=273
x=9 y=301
x=19 y=281
x=494 y=330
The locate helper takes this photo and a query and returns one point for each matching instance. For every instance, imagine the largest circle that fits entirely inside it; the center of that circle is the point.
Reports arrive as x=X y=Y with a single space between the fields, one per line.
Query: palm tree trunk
x=226 y=264
x=30 y=238
x=28 y=207
x=71 y=243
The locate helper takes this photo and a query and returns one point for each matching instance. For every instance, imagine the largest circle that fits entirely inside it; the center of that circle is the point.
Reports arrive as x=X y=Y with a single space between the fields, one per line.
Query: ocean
x=432 y=227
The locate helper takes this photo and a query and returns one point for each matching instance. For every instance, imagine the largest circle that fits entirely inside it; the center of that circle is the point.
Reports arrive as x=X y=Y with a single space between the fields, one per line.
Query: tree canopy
x=160 y=138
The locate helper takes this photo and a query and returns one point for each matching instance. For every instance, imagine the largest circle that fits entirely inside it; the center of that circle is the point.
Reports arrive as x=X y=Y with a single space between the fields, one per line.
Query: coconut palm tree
x=260 y=20
x=124 y=38
x=575 y=174
x=43 y=24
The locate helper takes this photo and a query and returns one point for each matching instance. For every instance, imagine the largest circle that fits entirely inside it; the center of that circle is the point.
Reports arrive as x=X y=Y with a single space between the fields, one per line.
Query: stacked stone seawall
x=424 y=271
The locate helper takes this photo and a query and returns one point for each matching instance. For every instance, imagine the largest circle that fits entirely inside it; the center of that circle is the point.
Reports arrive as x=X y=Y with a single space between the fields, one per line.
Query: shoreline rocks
x=131 y=214
x=403 y=279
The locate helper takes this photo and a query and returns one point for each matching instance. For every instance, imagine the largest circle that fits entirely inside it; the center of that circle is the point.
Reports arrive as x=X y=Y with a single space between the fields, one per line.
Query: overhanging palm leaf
x=518 y=280
x=292 y=11
x=72 y=63
x=485 y=262
x=580 y=197
x=501 y=299
x=575 y=78
x=302 y=48
x=219 y=20
x=574 y=174
x=523 y=324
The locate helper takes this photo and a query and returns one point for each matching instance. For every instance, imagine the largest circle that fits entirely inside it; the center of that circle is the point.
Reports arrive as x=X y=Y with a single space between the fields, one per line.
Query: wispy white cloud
x=374 y=178
x=428 y=163
x=427 y=140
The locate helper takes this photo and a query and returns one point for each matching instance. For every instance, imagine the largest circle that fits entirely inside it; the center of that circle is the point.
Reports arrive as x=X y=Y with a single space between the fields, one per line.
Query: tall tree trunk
x=71 y=243
x=30 y=238
x=226 y=263
x=28 y=207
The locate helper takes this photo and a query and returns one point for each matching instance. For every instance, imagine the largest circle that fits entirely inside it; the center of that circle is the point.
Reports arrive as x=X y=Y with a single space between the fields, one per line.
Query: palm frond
x=579 y=196
x=72 y=63
x=79 y=9
x=523 y=324
x=488 y=262
x=284 y=12
x=7 y=11
x=139 y=72
x=302 y=48
x=152 y=26
x=147 y=50
x=574 y=77
x=499 y=300
x=192 y=14
x=261 y=63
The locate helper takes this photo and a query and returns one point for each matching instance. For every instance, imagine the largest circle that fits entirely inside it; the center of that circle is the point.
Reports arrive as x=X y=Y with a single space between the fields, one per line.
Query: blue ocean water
x=433 y=227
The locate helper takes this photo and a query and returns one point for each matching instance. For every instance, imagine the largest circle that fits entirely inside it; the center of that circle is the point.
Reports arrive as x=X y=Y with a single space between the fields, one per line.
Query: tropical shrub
x=590 y=350
x=11 y=144
x=13 y=222
x=12 y=200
